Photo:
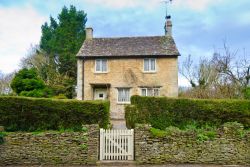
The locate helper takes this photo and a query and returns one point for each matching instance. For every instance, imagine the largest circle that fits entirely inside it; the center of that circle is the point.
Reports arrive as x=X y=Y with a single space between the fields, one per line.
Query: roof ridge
x=132 y=37
x=128 y=46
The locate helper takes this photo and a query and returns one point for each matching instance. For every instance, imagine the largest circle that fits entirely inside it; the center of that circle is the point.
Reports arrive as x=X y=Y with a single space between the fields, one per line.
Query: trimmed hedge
x=35 y=114
x=162 y=112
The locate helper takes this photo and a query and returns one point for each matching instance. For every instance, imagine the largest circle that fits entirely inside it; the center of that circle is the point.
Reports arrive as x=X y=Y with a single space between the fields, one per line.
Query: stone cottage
x=114 y=69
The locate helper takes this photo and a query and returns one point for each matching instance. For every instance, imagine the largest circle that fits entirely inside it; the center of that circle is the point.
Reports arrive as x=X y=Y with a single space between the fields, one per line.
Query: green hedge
x=162 y=112
x=34 y=114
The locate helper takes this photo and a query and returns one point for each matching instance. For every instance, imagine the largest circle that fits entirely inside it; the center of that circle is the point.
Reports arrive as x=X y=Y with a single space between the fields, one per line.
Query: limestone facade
x=126 y=72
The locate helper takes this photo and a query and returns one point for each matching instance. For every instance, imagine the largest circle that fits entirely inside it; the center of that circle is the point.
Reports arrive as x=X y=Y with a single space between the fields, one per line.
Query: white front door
x=100 y=94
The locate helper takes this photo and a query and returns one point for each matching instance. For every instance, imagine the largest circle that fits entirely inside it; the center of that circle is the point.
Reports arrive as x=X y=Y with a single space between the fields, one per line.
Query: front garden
x=163 y=112
x=40 y=114
x=37 y=131
x=175 y=130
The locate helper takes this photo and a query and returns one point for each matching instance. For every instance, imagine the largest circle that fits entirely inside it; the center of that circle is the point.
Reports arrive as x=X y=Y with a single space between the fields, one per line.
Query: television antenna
x=167 y=2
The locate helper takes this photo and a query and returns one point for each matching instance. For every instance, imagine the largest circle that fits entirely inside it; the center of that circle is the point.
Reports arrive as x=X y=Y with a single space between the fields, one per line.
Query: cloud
x=183 y=82
x=197 y=5
x=121 y=4
x=19 y=28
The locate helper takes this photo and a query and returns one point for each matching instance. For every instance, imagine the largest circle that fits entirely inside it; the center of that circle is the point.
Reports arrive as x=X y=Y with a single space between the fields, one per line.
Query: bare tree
x=43 y=64
x=199 y=75
x=225 y=75
x=5 y=80
x=235 y=68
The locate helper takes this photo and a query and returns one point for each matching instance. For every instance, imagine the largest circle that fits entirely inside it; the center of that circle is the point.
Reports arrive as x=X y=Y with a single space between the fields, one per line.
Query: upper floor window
x=150 y=65
x=150 y=92
x=101 y=65
x=123 y=95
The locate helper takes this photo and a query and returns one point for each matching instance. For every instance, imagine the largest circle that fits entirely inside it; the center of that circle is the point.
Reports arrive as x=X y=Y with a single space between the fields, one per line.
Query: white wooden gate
x=116 y=144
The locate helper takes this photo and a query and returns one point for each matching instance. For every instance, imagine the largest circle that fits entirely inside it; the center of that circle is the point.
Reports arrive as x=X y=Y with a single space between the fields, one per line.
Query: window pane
x=144 y=92
x=123 y=95
x=146 y=64
x=98 y=65
x=126 y=94
x=120 y=95
x=150 y=92
x=156 y=92
x=104 y=65
x=152 y=63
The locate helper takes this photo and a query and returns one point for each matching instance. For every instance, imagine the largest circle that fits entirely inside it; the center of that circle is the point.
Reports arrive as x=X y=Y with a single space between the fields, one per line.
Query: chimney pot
x=168 y=27
x=89 y=33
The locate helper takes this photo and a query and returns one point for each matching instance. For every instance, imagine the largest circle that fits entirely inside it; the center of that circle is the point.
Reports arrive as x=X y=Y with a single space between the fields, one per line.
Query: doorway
x=100 y=94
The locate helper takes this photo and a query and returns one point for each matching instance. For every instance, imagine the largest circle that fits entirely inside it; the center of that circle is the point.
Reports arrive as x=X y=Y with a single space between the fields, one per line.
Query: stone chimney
x=168 y=26
x=89 y=33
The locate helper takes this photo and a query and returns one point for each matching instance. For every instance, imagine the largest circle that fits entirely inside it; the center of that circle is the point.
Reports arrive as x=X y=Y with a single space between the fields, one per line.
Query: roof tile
x=129 y=46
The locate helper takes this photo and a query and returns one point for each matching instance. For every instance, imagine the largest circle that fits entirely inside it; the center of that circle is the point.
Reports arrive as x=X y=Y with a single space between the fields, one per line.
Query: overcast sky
x=199 y=26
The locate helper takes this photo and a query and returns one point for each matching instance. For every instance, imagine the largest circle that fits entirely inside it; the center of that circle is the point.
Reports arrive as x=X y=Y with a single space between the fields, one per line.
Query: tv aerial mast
x=167 y=2
x=168 y=22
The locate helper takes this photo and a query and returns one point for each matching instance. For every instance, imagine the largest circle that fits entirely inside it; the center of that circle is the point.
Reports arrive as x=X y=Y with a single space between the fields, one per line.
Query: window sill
x=149 y=72
x=123 y=103
x=100 y=72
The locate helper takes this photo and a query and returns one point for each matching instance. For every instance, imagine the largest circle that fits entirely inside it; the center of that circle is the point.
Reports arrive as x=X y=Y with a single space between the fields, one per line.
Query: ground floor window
x=150 y=91
x=123 y=95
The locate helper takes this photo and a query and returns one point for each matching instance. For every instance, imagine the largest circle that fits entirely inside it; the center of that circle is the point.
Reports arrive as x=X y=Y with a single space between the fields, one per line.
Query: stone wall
x=226 y=148
x=71 y=148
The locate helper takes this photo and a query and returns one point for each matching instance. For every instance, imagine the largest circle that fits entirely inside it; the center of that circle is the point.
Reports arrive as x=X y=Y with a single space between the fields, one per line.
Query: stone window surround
x=123 y=102
x=149 y=71
x=143 y=68
x=153 y=91
x=101 y=66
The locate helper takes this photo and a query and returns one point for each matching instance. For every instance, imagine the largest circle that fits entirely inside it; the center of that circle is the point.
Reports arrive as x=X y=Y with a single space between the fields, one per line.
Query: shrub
x=131 y=116
x=46 y=92
x=60 y=96
x=202 y=133
x=26 y=80
x=157 y=132
x=34 y=114
x=162 y=112
x=247 y=93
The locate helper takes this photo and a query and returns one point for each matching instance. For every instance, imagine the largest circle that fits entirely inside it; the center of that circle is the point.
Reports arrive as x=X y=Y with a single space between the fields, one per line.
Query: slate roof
x=129 y=46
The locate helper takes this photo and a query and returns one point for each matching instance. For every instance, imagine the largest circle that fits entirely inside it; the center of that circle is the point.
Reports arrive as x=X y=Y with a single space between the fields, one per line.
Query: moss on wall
x=69 y=148
x=160 y=147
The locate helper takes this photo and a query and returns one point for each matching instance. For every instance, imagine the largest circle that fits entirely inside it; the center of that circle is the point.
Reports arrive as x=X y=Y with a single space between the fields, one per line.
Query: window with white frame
x=123 y=95
x=150 y=65
x=101 y=65
x=150 y=91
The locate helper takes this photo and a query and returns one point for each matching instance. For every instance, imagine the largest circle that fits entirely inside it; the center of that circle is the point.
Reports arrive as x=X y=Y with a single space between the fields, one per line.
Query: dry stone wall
x=72 y=148
x=185 y=148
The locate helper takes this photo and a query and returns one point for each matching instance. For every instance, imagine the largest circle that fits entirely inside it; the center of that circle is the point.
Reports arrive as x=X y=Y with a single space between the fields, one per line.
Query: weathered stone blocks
x=226 y=148
x=72 y=148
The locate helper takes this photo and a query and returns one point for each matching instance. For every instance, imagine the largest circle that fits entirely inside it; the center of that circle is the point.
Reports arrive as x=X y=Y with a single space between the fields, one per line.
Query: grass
x=61 y=130
x=203 y=133
x=158 y=132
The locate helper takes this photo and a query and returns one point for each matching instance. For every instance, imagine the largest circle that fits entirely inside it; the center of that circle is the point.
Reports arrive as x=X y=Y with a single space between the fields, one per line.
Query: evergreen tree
x=62 y=40
x=27 y=83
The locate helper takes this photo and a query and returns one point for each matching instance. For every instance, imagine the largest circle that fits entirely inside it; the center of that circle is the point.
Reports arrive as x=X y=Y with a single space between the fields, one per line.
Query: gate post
x=101 y=144
x=132 y=143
